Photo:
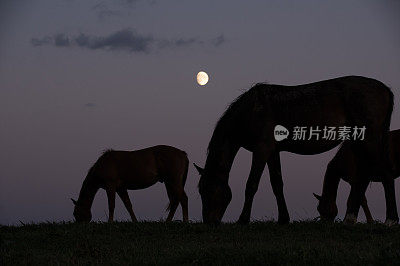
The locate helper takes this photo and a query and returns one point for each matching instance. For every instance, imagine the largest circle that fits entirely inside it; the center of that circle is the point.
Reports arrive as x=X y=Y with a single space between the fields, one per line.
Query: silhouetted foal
x=118 y=171
x=343 y=166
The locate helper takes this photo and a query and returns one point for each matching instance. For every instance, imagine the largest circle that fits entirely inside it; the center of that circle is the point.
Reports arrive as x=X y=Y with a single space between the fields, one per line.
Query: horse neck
x=87 y=193
x=220 y=159
x=330 y=188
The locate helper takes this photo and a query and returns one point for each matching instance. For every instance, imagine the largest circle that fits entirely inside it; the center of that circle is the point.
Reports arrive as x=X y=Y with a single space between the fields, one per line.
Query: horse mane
x=92 y=168
x=90 y=177
x=104 y=152
x=235 y=111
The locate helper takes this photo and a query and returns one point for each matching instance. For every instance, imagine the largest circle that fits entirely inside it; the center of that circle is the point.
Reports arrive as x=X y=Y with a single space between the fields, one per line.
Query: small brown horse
x=118 y=171
x=343 y=166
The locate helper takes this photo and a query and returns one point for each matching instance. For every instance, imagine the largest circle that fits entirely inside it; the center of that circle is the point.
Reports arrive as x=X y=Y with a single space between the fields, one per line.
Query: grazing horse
x=344 y=166
x=118 y=171
x=250 y=120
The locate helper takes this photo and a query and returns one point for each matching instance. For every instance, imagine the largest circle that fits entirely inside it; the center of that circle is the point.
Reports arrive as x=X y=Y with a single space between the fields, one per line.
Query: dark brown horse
x=343 y=166
x=120 y=171
x=250 y=120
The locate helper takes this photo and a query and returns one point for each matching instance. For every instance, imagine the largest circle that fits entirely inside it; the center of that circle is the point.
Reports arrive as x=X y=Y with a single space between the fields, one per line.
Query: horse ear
x=74 y=201
x=199 y=169
x=318 y=197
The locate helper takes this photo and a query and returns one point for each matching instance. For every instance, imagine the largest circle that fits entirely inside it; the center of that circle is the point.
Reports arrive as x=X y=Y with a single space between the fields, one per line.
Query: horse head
x=215 y=196
x=81 y=213
x=327 y=209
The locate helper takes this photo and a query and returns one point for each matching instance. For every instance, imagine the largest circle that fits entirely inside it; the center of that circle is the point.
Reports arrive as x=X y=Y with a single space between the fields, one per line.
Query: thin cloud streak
x=106 y=9
x=219 y=40
x=123 y=40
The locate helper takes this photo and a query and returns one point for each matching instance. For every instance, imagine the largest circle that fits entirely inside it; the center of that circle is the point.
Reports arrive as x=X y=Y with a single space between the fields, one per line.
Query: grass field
x=300 y=243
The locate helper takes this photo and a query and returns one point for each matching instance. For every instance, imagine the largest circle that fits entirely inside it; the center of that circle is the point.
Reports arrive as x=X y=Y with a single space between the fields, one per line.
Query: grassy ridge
x=307 y=243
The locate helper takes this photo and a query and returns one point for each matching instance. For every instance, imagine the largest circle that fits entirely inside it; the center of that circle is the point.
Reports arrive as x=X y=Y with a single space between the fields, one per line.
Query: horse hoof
x=283 y=221
x=390 y=222
x=350 y=219
x=243 y=221
x=370 y=221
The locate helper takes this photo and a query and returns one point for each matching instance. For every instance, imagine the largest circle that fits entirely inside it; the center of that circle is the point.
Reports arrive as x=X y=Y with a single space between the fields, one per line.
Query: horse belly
x=300 y=119
x=140 y=180
x=304 y=147
x=139 y=185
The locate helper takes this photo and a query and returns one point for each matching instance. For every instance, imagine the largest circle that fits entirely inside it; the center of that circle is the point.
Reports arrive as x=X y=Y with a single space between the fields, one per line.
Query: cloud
x=178 y=43
x=113 y=8
x=41 y=41
x=103 y=11
x=90 y=105
x=123 y=40
x=61 y=40
x=218 y=40
x=185 y=42
x=126 y=39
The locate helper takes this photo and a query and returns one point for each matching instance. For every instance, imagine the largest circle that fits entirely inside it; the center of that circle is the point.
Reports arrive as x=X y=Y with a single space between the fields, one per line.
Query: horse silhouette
x=343 y=166
x=120 y=171
x=250 y=120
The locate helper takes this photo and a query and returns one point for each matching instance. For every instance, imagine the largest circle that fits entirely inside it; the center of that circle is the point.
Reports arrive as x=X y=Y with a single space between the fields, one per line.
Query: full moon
x=202 y=78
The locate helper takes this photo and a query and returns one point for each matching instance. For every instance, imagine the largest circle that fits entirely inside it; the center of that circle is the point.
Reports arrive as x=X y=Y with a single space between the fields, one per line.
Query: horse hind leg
x=173 y=200
x=172 y=206
x=176 y=195
x=123 y=194
x=368 y=215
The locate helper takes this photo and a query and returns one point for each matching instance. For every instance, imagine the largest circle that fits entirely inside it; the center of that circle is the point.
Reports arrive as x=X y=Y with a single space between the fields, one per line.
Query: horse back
x=140 y=168
x=346 y=101
x=170 y=161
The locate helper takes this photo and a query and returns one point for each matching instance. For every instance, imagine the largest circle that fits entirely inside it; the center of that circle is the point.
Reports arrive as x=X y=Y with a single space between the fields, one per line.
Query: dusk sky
x=79 y=77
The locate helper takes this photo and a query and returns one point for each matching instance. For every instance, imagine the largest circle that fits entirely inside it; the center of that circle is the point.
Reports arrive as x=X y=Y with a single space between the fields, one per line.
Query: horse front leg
x=275 y=175
x=111 y=203
x=123 y=194
x=390 y=198
x=257 y=168
x=357 y=192
x=365 y=157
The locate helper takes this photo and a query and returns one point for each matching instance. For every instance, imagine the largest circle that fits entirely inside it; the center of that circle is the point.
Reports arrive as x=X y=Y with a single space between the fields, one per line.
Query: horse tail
x=185 y=173
x=184 y=177
x=390 y=110
x=168 y=207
